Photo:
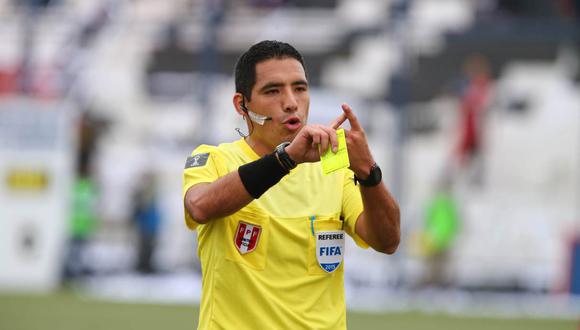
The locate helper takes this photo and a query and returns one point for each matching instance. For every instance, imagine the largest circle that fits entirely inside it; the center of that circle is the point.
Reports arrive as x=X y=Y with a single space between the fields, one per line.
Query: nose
x=290 y=103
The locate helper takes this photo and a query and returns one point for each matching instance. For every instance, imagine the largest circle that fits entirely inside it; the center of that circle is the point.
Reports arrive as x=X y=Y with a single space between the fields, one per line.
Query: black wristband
x=258 y=176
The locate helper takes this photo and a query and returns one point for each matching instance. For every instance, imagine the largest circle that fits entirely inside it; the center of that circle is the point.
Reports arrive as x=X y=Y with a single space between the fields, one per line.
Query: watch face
x=376 y=174
x=283 y=156
x=282 y=145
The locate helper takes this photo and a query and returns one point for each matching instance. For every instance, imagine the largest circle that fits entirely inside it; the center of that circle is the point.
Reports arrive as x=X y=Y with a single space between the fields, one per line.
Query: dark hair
x=245 y=72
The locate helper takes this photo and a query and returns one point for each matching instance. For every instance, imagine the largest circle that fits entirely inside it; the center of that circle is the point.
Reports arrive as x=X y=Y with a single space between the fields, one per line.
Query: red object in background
x=44 y=82
x=8 y=81
x=473 y=104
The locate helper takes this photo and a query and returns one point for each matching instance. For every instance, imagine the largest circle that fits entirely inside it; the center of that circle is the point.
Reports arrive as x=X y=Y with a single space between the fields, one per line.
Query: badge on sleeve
x=330 y=249
x=247 y=236
x=196 y=160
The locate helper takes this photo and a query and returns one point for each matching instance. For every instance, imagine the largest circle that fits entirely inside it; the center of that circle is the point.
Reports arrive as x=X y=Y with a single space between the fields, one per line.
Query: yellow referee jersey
x=276 y=263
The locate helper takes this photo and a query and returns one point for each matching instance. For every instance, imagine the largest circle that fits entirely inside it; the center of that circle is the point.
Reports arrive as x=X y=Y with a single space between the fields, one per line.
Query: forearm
x=382 y=218
x=225 y=196
x=230 y=193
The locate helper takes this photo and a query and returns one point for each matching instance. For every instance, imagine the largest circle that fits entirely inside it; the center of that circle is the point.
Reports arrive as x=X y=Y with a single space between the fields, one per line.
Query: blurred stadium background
x=472 y=109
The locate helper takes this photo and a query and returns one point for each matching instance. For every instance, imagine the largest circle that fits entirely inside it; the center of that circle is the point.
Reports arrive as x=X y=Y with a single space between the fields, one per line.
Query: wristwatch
x=283 y=157
x=374 y=178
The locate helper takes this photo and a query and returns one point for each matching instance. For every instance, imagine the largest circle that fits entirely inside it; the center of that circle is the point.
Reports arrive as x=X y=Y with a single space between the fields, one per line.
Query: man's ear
x=238 y=100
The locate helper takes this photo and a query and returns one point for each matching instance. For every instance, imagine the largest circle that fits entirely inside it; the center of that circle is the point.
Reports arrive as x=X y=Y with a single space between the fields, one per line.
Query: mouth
x=292 y=123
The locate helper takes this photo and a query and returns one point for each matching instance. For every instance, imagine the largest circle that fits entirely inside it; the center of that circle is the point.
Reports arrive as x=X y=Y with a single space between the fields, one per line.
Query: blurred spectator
x=84 y=216
x=83 y=225
x=474 y=99
x=147 y=218
x=441 y=227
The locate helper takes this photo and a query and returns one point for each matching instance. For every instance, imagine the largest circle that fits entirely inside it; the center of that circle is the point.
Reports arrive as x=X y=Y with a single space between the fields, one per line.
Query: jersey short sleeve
x=204 y=165
x=352 y=207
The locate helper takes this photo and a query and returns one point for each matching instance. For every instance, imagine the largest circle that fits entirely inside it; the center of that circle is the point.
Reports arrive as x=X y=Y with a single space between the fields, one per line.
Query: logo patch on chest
x=247 y=237
x=330 y=249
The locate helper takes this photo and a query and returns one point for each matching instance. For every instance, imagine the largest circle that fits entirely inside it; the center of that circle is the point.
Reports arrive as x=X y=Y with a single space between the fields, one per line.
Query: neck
x=261 y=148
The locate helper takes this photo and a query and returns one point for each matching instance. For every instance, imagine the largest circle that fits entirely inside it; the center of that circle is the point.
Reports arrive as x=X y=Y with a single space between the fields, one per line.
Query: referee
x=271 y=226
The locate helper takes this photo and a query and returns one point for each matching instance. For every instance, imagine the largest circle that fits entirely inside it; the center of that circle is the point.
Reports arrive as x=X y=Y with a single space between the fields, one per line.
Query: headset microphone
x=256 y=118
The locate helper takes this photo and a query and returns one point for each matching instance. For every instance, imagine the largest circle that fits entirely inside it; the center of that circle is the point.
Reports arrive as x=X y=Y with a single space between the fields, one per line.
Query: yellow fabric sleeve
x=208 y=167
x=352 y=207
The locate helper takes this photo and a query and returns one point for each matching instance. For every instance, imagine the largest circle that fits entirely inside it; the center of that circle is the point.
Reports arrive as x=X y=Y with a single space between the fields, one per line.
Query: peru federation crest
x=247 y=236
x=330 y=249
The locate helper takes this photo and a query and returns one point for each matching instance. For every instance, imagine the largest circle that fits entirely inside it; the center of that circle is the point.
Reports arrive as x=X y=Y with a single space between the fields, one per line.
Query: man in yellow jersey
x=271 y=226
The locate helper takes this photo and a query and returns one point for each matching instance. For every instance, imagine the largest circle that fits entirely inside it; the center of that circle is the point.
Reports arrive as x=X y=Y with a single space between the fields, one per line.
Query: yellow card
x=335 y=161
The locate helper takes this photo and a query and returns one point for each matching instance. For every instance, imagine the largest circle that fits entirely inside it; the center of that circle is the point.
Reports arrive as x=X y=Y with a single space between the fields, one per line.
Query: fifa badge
x=330 y=249
x=247 y=236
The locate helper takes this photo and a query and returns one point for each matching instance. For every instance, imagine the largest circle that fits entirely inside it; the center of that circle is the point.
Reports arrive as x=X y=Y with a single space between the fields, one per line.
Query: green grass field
x=66 y=311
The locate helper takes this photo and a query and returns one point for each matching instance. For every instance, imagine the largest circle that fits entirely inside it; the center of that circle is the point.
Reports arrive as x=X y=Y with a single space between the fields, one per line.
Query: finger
x=338 y=121
x=347 y=136
x=332 y=138
x=315 y=139
x=323 y=140
x=354 y=124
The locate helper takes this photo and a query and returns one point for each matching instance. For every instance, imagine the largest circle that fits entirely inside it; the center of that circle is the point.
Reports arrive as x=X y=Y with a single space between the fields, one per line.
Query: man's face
x=280 y=92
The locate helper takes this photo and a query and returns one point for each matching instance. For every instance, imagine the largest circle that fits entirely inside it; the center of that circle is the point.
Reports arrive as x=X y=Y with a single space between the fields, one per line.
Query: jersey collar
x=247 y=149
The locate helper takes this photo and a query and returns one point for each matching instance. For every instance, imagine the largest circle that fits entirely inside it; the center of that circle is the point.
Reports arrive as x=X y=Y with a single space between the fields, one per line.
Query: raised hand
x=359 y=153
x=304 y=147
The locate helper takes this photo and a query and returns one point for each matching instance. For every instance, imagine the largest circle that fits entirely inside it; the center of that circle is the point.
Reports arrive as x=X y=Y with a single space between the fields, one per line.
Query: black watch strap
x=283 y=157
x=375 y=177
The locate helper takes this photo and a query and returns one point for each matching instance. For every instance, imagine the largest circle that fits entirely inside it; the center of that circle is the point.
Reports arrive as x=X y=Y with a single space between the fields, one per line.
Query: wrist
x=364 y=171
x=369 y=178
x=292 y=153
x=283 y=158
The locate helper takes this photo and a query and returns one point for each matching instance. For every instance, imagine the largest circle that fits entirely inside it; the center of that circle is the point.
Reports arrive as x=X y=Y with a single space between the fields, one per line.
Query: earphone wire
x=239 y=130
x=242 y=134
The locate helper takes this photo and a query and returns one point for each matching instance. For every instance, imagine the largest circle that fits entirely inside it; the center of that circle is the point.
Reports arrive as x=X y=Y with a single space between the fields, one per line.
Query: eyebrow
x=269 y=85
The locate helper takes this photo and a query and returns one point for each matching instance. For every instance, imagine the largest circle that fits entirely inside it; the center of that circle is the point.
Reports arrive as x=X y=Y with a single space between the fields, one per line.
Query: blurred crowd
x=472 y=106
